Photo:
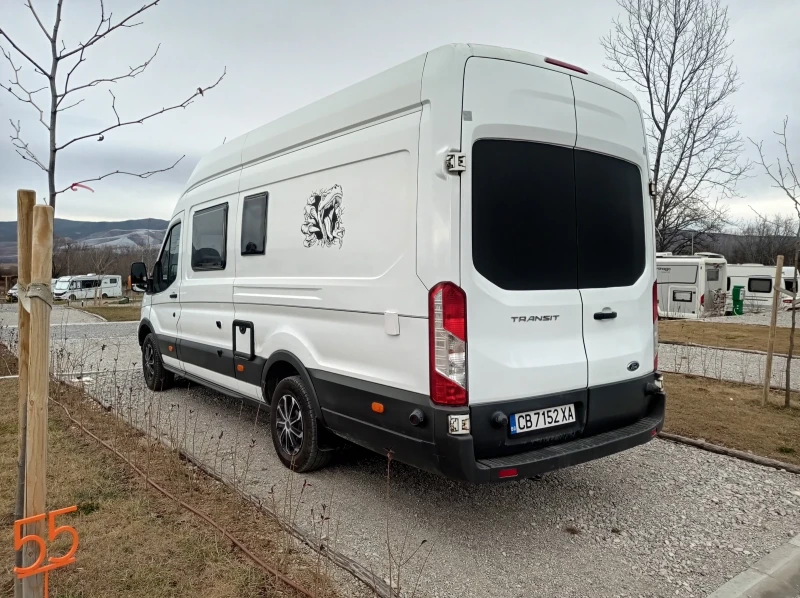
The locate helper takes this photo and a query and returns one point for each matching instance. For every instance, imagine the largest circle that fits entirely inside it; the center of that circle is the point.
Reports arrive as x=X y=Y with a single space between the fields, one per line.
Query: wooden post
x=25 y=201
x=38 y=386
x=776 y=297
x=788 y=398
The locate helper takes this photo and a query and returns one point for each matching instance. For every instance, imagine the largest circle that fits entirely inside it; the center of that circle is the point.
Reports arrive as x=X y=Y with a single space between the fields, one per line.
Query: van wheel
x=156 y=376
x=294 y=427
x=72 y=297
x=105 y=296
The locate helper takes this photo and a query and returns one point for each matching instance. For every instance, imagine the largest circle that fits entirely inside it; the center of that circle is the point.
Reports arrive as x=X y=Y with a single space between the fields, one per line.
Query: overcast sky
x=282 y=55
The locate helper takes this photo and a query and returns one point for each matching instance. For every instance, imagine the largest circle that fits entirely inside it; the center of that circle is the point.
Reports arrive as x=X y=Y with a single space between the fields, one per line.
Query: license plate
x=542 y=418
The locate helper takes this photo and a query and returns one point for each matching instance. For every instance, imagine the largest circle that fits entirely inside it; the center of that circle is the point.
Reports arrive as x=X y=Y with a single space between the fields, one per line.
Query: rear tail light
x=655 y=326
x=511 y=472
x=447 y=307
x=702 y=300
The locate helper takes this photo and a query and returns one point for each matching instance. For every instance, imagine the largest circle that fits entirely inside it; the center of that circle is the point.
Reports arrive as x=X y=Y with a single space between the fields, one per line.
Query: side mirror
x=139 y=281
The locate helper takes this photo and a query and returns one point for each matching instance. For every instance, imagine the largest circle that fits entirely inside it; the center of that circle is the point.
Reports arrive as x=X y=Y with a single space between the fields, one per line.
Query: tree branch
x=132 y=73
x=28 y=58
x=22 y=148
x=16 y=82
x=106 y=21
x=141 y=175
x=137 y=121
x=38 y=20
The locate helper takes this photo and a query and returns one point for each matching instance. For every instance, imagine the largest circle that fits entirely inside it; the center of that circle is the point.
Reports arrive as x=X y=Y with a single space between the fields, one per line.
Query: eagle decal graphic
x=323 y=224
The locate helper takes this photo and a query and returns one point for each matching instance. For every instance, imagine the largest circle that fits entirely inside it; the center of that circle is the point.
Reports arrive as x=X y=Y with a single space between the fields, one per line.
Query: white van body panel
x=336 y=297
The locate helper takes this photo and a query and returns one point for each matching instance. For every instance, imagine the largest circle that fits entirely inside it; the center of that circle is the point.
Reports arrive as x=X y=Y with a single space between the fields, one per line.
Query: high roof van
x=452 y=261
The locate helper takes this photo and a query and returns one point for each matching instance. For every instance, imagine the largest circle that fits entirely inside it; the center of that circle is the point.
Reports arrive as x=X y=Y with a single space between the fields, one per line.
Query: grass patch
x=731 y=415
x=8 y=362
x=113 y=313
x=735 y=336
x=134 y=542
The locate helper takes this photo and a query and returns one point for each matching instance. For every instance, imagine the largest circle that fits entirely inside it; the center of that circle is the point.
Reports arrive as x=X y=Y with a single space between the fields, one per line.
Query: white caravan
x=74 y=288
x=759 y=285
x=691 y=286
x=381 y=266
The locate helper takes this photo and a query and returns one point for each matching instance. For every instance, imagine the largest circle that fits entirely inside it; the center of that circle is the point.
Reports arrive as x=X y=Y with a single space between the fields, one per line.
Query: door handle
x=605 y=315
x=173 y=295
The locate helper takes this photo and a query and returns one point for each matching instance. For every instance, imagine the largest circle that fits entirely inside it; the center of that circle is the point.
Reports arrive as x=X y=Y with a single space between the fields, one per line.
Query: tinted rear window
x=610 y=209
x=523 y=215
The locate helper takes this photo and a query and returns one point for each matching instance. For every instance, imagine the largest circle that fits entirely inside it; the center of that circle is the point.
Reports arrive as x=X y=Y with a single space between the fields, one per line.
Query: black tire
x=299 y=453
x=105 y=296
x=156 y=376
x=72 y=297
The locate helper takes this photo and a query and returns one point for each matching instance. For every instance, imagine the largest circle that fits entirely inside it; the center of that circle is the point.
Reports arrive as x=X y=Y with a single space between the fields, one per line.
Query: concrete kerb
x=777 y=575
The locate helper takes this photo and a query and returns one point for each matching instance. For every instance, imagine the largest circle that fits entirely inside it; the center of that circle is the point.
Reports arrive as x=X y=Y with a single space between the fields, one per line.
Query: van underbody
x=414 y=264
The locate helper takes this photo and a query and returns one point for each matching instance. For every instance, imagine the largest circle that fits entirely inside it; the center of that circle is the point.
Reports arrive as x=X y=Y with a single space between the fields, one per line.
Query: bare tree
x=675 y=52
x=63 y=92
x=782 y=173
x=762 y=239
x=784 y=177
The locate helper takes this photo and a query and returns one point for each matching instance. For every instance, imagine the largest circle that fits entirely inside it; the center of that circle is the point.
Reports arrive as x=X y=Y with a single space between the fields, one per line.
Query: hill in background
x=125 y=234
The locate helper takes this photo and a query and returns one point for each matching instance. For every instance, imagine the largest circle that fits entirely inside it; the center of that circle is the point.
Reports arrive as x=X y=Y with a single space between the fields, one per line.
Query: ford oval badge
x=633 y=366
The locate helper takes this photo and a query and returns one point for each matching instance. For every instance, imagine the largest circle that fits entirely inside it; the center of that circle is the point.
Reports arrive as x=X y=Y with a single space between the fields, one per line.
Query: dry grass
x=731 y=415
x=735 y=336
x=8 y=362
x=114 y=313
x=134 y=542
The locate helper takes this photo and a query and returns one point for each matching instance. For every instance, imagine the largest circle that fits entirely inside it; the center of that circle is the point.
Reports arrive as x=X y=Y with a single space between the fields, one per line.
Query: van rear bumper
x=345 y=408
x=461 y=464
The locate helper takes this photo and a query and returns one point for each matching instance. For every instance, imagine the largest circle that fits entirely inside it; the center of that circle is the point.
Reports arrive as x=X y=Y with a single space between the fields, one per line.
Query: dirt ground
x=731 y=415
x=134 y=542
x=114 y=313
x=735 y=336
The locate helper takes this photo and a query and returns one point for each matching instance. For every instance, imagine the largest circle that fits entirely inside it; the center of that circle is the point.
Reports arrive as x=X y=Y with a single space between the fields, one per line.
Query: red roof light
x=565 y=65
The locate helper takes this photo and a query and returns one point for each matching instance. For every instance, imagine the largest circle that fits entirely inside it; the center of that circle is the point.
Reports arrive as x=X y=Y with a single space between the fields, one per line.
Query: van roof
x=393 y=91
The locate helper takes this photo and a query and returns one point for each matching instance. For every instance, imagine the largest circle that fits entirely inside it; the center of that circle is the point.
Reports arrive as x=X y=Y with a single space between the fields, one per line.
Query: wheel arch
x=283 y=364
x=145 y=328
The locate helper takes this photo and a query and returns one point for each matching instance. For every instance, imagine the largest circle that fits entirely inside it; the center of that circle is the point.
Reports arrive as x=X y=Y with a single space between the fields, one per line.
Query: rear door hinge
x=455 y=162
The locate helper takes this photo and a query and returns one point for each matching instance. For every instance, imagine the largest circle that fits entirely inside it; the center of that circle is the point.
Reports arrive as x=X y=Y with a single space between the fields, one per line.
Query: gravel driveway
x=659 y=520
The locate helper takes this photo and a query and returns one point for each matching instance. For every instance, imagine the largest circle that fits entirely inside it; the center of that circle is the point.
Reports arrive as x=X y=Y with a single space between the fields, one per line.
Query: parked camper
x=378 y=266
x=691 y=286
x=88 y=287
x=759 y=285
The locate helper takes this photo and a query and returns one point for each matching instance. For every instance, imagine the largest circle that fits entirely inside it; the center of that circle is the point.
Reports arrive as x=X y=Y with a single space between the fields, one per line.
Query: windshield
x=62 y=285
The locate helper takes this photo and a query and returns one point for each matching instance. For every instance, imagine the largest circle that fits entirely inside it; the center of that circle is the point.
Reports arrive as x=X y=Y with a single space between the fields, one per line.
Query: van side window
x=729 y=284
x=112 y=281
x=254 y=224
x=165 y=270
x=209 y=237
x=759 y=285
x=712 y=275
x=789 y=285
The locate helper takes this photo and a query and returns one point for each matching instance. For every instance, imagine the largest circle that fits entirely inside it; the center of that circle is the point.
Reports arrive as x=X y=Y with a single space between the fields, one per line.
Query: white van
x=691 y=286
x=411 y=264
x=759 y=285
x=89 y=286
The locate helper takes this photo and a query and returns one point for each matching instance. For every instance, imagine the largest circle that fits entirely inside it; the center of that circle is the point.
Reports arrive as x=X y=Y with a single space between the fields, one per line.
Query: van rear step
x=576 y=451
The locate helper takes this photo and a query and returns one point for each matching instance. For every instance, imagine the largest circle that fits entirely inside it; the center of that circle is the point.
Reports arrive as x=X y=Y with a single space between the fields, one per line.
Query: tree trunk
x=788 y=398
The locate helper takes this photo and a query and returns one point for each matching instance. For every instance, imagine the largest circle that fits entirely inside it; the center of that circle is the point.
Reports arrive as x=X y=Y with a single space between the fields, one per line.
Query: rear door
x=518 y=241
x=615 y=244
